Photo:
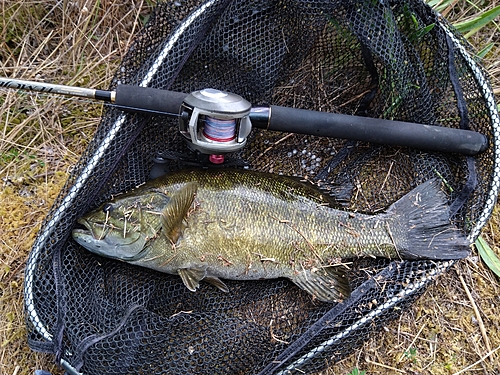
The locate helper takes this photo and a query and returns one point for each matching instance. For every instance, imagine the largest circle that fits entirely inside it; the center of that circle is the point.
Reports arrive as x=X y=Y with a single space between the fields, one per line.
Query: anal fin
x=329 y=284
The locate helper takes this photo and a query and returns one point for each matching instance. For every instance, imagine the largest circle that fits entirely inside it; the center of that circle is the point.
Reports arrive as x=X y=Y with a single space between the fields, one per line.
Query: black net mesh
x=393 y=60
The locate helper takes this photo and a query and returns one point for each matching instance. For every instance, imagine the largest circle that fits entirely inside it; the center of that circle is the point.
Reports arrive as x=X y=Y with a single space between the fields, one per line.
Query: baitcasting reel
x=215 y=122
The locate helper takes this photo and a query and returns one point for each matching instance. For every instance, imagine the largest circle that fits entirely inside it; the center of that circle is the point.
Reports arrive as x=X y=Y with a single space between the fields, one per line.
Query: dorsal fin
x=176 y=210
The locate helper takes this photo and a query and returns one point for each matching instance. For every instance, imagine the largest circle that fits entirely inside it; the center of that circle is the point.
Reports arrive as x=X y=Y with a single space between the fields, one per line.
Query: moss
x=23 y=206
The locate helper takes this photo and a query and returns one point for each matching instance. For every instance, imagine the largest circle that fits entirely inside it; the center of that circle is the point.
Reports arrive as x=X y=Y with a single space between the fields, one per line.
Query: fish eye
x=108 y=207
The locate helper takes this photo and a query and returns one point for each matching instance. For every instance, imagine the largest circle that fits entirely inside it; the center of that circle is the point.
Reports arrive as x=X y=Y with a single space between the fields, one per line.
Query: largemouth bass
x=244 y=225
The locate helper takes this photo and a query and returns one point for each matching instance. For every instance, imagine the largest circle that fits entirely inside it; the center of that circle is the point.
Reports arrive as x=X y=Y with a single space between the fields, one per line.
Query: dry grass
x=454 y=325
x=77 y=42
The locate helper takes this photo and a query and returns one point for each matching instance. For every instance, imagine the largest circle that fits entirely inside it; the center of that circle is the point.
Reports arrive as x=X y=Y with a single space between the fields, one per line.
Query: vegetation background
x=454 y=328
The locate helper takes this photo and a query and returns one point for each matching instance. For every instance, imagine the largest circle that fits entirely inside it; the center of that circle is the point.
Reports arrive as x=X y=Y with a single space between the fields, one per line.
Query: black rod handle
x=149 y=100
x=397 y=133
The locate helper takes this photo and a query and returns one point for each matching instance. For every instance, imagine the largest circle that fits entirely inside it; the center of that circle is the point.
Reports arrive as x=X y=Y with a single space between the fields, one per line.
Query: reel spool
x=215 y=122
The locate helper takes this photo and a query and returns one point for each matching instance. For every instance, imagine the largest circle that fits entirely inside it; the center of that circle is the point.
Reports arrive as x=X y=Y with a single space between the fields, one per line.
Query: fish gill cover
x=393 y=60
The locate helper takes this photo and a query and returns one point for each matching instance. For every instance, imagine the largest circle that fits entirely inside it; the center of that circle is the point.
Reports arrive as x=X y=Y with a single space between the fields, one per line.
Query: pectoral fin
x=329 y=284
x=176 y=210
x=191 y=277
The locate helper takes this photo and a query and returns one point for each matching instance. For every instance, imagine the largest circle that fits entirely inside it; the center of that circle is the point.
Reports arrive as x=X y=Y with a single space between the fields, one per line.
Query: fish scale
x=245 y=225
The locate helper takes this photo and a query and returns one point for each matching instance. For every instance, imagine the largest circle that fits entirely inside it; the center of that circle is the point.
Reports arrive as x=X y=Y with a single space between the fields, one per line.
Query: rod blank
x=107 y=96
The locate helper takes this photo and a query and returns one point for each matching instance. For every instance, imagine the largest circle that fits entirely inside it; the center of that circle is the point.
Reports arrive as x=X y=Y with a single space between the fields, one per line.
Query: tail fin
x=421 y=220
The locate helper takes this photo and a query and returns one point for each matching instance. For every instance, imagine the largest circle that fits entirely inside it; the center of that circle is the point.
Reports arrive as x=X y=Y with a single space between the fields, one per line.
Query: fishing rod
x=215 y=122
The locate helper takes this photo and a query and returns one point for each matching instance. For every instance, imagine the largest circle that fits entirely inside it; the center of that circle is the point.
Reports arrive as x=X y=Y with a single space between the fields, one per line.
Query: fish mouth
x=99 y=238
x=86 y=228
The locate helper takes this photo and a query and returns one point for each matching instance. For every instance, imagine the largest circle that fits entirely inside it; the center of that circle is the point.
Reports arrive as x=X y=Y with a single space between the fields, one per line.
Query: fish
x=216 y=224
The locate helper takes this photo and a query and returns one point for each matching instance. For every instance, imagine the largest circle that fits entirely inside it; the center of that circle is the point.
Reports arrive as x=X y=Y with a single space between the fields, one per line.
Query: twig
x=311 y=246
x=413 y=342
x=476 y=312
x=387 y=176
x=478 y=362
x=275 y=143
x=273 y=336
x=14 y=273
x=354 y=98
x=385 y=366
x=181 y=312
